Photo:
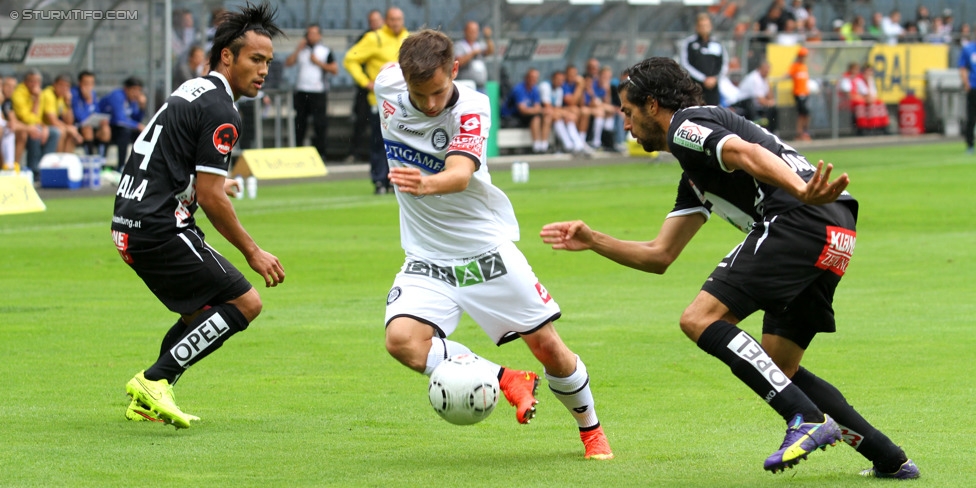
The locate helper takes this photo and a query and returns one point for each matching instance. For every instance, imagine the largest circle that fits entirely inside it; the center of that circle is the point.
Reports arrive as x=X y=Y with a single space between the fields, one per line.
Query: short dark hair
x=233 y=26
x=85 y=73
x=423 y=53
x=132 y=81
x=663 y=80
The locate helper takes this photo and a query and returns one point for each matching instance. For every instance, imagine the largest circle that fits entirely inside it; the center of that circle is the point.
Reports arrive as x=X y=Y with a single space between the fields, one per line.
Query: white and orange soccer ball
x=463 y=389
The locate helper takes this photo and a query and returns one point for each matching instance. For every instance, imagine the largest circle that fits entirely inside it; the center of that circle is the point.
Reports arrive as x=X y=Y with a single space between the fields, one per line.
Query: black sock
x=750 y=363
x=177 y=331
x=870 y=442
x=203 y=336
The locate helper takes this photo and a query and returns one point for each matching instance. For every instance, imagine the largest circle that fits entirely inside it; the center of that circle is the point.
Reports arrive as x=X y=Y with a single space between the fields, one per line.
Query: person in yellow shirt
x=363 y=61
x=58 y=95
x=41 y=138
x=801 y=91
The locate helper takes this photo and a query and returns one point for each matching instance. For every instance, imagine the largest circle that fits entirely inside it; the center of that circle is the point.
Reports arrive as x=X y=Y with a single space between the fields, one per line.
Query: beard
x=655 y=138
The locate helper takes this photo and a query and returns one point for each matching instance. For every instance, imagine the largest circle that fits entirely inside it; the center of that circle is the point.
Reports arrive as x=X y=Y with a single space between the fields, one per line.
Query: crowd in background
x=566 y=109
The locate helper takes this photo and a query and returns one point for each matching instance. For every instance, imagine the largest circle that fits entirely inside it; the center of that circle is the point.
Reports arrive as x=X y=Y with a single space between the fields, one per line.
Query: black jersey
x=194 y=131
x=696 y=137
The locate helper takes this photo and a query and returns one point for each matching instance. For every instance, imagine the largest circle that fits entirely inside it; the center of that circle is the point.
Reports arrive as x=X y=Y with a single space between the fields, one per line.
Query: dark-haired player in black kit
x=179 y=162
x=800 y=236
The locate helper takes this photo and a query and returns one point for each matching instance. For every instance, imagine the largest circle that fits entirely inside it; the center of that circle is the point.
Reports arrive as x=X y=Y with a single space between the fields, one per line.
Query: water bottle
x=252 y=187
x=240 y=187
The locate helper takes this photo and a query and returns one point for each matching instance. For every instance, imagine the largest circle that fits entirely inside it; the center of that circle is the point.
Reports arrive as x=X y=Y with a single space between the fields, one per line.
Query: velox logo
x=747 y=348
x=691 y=135
x=838 y=250
x=388 y=109
x=203 y=336
x=471 y=124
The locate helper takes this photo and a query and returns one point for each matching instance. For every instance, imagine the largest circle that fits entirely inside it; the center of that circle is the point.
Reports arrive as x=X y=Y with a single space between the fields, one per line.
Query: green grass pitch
x=307 y=396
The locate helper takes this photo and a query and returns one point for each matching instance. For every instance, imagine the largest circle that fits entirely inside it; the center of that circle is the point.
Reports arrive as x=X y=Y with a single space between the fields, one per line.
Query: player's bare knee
x=249 y=304
x=693 y=324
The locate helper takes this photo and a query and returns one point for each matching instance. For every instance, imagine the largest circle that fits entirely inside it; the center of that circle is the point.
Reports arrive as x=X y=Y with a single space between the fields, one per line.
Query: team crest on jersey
x=439 y=139
x=471 y=124
x=224 y=138
x=691 y=135
x=393 y=295
x=388 y=109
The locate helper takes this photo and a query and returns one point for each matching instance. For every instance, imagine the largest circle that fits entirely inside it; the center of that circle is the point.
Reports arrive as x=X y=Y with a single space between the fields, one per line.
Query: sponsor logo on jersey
x=388 y=109
x=471 y=124
x=691 y=135
x=191 y=90
x=467 y=143
x=410 y=130
x=202 y=337
x=398 y=151
x=129 y=190
x=122 y=244
x=224 y=138
x=543 y=293
x=439 y=139
x=480 y=270
x=836 y=254
x=746 y=348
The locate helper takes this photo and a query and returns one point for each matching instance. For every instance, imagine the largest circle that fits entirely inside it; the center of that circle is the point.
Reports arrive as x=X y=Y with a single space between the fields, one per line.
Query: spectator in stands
x=191 y=68
x=853 y=31
x=563 y=121
x=359 y=141
x=216 y=17
x=41 y=138
x=875 y=31
x=363 y=61
x=938 y=34
x=704 y=58
x=948 y=26
x=800 y=75
x=967 y=71
x=892 y=28
x=470 y=54
x=790 y=35
x=184 y=34
x=311 y=99
x=757 y=102
x=58 y=97
x=604 y=111
x=14 y=139
x=84 y=103
x=125 y=107
x=524 y=105
x=923 y=21
x=574 y=100
x=775 y=19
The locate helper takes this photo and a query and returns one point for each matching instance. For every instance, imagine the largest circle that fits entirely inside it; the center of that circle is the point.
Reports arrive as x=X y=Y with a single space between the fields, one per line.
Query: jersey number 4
x=145 y=144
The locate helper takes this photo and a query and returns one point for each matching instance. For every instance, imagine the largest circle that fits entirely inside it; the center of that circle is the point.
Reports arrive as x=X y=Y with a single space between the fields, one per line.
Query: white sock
x=543 y=146
x=574 y=392
x=598 y=123
x=441 y=349
x=578 y=142
x=563 y=134
x=608 y=124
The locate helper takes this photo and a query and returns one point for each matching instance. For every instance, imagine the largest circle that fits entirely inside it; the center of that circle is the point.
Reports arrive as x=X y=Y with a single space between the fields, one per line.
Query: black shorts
x=184 y=272
x=801 y=105
x=789 y=267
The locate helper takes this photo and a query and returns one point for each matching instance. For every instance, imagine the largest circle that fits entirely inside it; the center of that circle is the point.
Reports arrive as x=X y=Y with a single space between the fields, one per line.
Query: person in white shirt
x=312 y=86
x=456 y=229
x=757 y=102
x=471 y=52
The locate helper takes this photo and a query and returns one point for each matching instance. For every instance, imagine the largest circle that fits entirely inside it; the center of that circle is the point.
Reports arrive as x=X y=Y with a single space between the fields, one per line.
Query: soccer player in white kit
x=457 y=231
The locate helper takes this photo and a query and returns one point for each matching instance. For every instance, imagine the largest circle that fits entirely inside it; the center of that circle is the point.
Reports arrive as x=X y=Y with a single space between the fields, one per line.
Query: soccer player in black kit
x=178 y=163
x=800 y=233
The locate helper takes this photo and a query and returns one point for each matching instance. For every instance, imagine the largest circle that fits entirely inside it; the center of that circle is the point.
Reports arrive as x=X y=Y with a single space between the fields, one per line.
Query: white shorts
x=497 y=289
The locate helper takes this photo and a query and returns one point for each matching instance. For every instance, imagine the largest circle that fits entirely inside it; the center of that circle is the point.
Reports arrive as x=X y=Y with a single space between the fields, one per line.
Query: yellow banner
x=897 y=68
x=280 y=163
x=17 y=195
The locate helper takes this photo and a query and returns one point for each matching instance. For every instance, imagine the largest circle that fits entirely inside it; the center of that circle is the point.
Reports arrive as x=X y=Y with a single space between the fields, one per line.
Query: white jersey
x=455 y=225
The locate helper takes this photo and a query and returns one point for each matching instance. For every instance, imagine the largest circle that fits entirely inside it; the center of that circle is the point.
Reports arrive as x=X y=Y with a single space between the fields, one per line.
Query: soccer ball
x=463 y=389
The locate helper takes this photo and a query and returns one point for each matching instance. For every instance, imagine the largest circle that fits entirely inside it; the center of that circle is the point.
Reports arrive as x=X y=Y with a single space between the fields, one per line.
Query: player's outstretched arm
x=213 y=200
x=455 y=177
x=765 y=166
x=653 y=256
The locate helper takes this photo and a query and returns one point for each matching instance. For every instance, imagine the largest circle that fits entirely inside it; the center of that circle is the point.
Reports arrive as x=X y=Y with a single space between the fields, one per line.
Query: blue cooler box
x=61 y=170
